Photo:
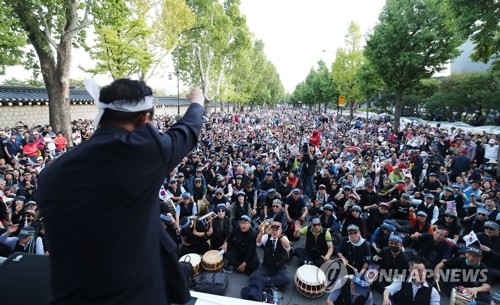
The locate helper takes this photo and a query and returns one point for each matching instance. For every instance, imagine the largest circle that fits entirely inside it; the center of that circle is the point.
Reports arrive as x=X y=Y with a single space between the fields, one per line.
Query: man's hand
x=12 y=229
x=241 y=268
x=196 y=96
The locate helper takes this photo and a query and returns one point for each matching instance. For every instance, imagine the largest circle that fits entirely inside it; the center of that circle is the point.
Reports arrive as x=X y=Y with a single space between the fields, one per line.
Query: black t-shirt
x=470 y=276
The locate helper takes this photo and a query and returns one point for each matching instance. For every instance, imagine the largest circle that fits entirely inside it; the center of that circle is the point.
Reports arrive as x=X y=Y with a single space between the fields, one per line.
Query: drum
x=212 y=261
x=459 y=298
x=195 y=260
x=202 y=206
x=310 y=281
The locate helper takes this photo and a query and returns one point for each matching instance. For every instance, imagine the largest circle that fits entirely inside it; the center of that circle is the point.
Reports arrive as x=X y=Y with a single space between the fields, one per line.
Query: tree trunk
x=397 y=110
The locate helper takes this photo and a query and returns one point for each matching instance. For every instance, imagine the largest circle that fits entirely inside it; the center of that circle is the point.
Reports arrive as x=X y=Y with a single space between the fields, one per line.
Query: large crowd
x=354 y=190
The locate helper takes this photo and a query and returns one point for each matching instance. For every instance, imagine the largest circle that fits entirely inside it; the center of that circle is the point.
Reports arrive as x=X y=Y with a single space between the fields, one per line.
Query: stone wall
x=39 y=114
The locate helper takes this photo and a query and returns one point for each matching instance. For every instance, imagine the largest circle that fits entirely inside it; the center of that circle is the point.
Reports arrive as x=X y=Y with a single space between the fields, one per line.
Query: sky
x=295 y=32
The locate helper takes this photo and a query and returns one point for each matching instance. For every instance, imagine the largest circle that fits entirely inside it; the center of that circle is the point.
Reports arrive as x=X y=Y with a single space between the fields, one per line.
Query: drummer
x=240 y=248
x=272 y=271
x=353 y=291
x=474 y=275
x=221 y=227
x=194 y=236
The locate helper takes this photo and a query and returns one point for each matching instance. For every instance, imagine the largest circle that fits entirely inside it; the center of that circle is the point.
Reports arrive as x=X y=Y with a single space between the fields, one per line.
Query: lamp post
x=178 y=64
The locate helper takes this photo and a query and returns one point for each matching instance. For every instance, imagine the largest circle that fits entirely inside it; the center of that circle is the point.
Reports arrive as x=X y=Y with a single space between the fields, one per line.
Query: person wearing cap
x=450 y=195
x=26 y=241
x=239 y=208
x=236 y=186
x=380 y=238
x=449 y=222
x=126 y=161
x=392 y=262
x=322 y=195
x=278 y=214
x=491 y=206
x=240 y=248
x=368 y=196
x=432 y=184
x=419 y=224
x=221 y=226
x=296 y=210
x=266 y=201
x=417 y=166
x=172 y=228
x=490 y=150
x=329 y=220
x=475 y=222
x=252 y=197
x=284 y=188
x=433 y=248
x=473 y=274
x=174 y=190
x=309 y=162
x=353 y=217
x=490 y=245
x=197 y=189
x=354 y=250
x=268 y=182
x=318 y=245
x=218 y=198
x=376 y=216
x=414 y=291
x=272 y=272
x=194 y=236
x=355 y=290
x=401 y=209
x=186 y=207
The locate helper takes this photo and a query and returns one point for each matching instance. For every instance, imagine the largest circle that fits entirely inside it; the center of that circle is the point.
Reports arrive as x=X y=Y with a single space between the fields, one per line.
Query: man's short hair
x=124 y=89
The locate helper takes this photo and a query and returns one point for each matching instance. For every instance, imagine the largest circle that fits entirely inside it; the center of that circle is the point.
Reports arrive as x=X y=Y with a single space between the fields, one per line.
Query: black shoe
x=228 y=269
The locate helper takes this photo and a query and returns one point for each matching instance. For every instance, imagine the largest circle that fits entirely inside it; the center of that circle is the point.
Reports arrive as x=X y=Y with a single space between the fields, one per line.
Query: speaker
x=25 y=280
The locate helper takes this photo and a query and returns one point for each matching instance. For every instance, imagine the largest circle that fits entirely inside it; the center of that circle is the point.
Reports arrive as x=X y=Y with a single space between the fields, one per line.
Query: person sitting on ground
x=354 y=250
x=474 y=276
x=221 y=227
x=26 y=241
x=449 y=222
x=354 y=218
x=194 y=236
x=392 y=261
x=416 y=291
x=380 y=239
x=240 y=249
x=490 y=245
x=318 y=245
x=273 y=272
x=353 y=291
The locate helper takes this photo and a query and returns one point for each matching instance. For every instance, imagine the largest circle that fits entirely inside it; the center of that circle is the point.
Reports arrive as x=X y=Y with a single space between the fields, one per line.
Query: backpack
x=212 y=282
x=187 y=269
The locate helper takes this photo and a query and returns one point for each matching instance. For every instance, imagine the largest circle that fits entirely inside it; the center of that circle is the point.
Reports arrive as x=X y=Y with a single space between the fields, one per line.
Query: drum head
x=212 y=256
x=193 y=258
x=311 y=275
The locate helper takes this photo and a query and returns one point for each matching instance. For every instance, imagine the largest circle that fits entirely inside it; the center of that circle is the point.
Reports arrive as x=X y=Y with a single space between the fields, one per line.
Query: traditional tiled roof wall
x=30 y=105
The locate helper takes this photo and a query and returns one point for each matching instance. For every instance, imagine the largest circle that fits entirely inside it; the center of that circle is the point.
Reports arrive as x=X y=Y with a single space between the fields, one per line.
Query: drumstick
x=438 y=288
x=352 y=267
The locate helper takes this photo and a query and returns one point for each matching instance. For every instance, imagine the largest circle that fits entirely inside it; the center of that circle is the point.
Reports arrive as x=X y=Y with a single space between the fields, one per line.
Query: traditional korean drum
x=459 y=298
x=212 y=261
x=202 y=206
x=195 y=260
x=310 y=281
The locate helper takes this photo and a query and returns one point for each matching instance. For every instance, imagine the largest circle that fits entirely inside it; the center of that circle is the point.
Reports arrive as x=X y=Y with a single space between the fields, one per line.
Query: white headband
x=119 y=105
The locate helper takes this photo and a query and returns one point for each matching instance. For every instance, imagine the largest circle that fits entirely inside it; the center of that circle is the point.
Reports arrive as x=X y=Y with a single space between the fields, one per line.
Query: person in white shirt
x=490 y=151
x=414 y=291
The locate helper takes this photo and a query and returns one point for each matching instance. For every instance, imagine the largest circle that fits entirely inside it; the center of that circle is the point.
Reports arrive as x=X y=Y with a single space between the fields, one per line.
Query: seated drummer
x=272 y=271
x=468 y=272
x=355 y=291
x=392 y=261
x=194 y=236
x=354 y=250
x=318 y=246
x=220 y=226
x=240 y=248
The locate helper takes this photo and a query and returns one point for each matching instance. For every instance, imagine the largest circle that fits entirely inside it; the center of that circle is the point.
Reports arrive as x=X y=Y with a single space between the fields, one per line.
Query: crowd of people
x=304 y=185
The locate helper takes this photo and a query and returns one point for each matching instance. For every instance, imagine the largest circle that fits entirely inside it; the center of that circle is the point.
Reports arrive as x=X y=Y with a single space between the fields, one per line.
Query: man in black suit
x=100 y=203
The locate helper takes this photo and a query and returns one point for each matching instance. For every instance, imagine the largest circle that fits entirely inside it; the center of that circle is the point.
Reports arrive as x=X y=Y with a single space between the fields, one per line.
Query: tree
x=412 y=41
x=348 y=61
x=12 y=39
x=479 y=20
x=122 y=37
x=369 y=83
x=51 y=28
